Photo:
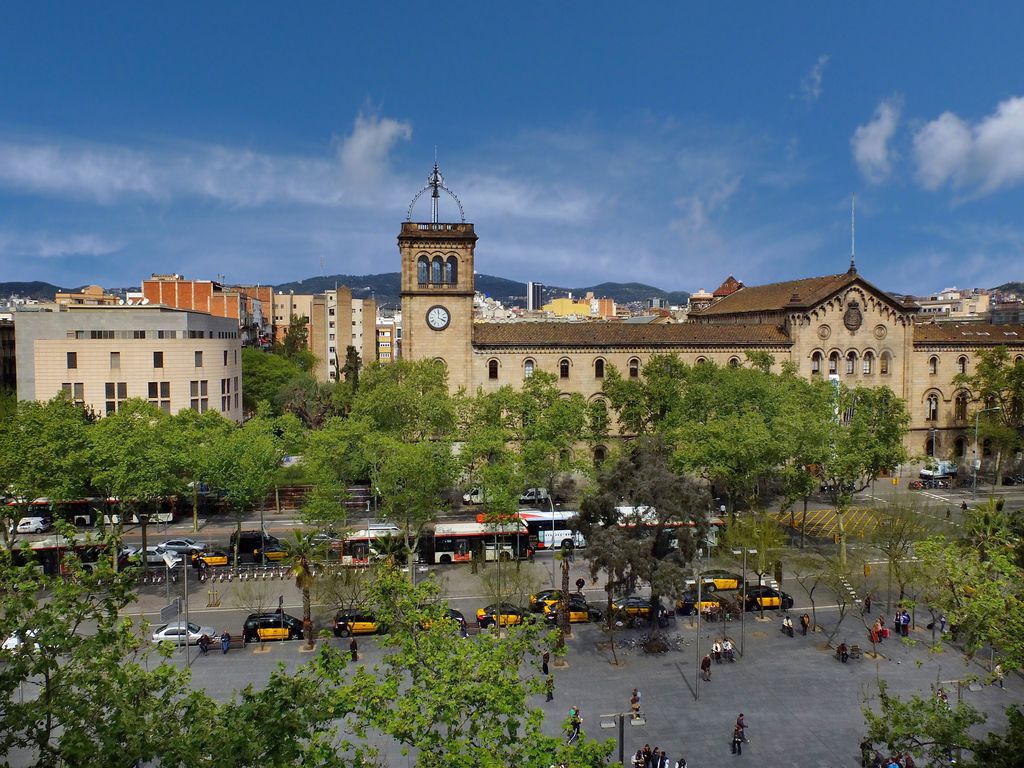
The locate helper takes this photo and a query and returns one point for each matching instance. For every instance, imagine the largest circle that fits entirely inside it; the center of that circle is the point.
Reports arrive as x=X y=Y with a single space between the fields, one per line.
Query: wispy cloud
x=44 y=245
x=985 y=156
x=811 y=84
x=870 y=142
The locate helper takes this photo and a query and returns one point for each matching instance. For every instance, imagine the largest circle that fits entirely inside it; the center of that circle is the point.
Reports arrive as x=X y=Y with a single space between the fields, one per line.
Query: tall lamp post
x=977 y=458
x=619 y=719
x=743 y=607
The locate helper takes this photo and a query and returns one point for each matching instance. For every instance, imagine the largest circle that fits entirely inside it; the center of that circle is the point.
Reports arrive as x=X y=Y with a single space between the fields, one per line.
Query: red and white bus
x=461 y=542
x=551 y=529
x=647 y=517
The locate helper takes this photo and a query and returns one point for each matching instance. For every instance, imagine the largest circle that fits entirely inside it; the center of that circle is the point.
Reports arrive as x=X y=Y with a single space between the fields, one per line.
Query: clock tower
x=437 y=287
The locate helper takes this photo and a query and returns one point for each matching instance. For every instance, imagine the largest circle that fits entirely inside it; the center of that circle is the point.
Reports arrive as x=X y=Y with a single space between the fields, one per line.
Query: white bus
x=646 y=517
x=551 y=529
x=457 y=542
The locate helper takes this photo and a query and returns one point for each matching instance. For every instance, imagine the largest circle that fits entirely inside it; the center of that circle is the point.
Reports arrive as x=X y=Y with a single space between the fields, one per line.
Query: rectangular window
x=225 y=357
x=75 y=391
x=138 y=334
x=199 y=359
x=236 y=400
x=116 y=392
x=331 y=312
x=236 y=357
x=101 y=334
x=160 y=395
x=158 y=359
x=115 y=360
x=225 y=395
x=72 y=359
x=198 y=396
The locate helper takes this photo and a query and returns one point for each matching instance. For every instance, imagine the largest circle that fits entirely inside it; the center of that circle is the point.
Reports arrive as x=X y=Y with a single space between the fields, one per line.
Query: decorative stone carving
x=880 y=331
x=853 y=318
x=824 y=331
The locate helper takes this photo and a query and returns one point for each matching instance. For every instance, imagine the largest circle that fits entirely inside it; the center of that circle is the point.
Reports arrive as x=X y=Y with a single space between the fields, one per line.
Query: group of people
x=739 y=735
x=787 y=624
x=206 y=641
x=720 y=649
x=872 y=758
x=655 y=758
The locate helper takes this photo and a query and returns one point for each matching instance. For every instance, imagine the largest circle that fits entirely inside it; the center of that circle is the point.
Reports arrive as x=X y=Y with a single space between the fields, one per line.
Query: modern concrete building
x=100 y=356
x=337 y=322
x=250 y=307
x=91 y=295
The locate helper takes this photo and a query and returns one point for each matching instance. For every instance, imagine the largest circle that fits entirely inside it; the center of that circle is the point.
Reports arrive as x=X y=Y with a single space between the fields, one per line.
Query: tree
x=897 y=528
x=295 y=344
x=809 y=569
x=468 y=706
x=303 y=557
x=758 y=532
x=997 y=386
x=252 y=597
x=194 y=436
x=658 y=538
x=266 y=377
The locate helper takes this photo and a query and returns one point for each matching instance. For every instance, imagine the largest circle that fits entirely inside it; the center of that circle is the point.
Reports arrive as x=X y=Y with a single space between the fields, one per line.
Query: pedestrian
x=867 y=603
x=225 y=641
x=353 y=648
x=998 y=674
x=805 y=622
x=942 y=623
x=906 y=623
x=865 y=753
x=680 y=763
x=716 y=650
x=737 y=740
x=580 y=584
x=544 y=662
x=963 y=506
x=575 y=724
x=634 y=704
x=646 y=753
x=705 y=667
x=741 y=723
x=549 y=688
x=727 y=649
x=638 y=759
x=787 y=625
x=204 y=644
x=843 y=652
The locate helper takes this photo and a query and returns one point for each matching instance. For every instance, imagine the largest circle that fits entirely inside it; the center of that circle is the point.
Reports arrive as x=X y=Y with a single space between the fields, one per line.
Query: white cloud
x=364 y=153
x=700 y=208
x=49 y=246
x=870 y=142
x=987 y=156
x=810 y=85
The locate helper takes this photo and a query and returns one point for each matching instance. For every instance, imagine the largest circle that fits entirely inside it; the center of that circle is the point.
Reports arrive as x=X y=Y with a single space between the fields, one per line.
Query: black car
x=764 y=596
x=709 y=598
x=271 y=626
x=252 y=541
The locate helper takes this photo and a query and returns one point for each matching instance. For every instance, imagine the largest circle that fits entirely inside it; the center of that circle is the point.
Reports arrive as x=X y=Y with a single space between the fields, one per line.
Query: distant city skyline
x=671 y=146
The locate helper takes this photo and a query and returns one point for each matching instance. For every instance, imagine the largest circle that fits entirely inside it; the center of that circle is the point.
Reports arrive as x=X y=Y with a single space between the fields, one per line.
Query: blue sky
x=671 y=144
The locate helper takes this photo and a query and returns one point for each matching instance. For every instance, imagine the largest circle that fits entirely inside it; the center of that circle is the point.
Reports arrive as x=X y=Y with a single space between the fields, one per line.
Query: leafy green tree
x=311 y=401
x=759 y=532
x=643 y=405
x=265 y=376
x=194 y=437
x=997 y=385
x=898 y=527
x=295 y=344
x=303 y=558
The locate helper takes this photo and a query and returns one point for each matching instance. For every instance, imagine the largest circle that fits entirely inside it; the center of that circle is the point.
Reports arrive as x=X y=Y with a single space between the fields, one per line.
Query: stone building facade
x=838 y=327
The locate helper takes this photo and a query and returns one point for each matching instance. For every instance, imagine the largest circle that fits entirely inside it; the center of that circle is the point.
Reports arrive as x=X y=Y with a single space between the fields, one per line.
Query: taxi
x=763 y=596
x=212 y=559
x=510 y=615
x=540 y=602
x=271 y=626
x=724 y=580
x=272 y=553
x=633 y=606
x=356 y=621
x=579 y=611
x=452 y=614
x=688 y=603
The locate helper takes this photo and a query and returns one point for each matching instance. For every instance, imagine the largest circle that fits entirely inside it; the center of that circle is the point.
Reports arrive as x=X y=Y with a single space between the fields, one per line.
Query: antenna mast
x=853 y=232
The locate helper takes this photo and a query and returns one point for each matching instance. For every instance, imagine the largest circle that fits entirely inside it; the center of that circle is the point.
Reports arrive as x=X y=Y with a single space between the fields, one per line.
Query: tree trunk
x=841 y=527
x=803 y=524
x=307 y=617
x=563 y=603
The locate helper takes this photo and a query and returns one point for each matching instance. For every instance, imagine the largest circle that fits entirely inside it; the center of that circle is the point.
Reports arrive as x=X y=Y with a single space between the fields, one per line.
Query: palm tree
x=988 y=528
x=302 y=556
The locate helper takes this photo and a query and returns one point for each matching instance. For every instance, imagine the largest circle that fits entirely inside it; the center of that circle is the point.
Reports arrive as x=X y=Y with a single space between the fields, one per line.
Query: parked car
x=211 y=558
x=722 y=579
x=356 y=621
x=579 y=610
x=764 y=596
x=632 y=608
x=182 y=546
x=271 y=626
x=180 y=633
x=688 y=603
x=510 y=615
x=474 y=496
x=34 y=524
x=272 y=553
x=250 y=541
x=542 y=600
x=535 y=496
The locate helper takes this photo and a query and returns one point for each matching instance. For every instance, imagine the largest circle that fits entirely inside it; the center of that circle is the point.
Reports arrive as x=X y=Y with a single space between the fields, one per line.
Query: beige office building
x=102 y=355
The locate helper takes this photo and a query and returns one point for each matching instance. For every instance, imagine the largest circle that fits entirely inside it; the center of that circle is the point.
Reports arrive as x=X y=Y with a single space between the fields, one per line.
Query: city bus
x=50 y=553
x=646 y=517
x=460 y=542
x=365 y=546
x=551 y=529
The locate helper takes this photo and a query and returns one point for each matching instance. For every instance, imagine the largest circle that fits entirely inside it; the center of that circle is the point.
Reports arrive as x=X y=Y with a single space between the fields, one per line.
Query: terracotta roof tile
x=977 y=334
x=776 y=296
x=600 y=334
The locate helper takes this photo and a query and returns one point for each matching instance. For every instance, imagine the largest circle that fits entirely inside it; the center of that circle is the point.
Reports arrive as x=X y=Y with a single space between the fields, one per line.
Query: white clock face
x=438 y=318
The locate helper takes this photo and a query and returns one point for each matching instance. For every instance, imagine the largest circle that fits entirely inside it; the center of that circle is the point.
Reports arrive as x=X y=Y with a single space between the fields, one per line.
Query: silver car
x=182 y=546
x=179 y=633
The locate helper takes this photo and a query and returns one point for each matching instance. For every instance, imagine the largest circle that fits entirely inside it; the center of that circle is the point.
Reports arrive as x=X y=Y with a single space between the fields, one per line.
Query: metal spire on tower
x=435 y=183
x=853 y=233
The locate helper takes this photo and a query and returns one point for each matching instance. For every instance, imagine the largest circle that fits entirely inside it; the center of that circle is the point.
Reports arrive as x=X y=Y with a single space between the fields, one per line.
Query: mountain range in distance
x=385 y=289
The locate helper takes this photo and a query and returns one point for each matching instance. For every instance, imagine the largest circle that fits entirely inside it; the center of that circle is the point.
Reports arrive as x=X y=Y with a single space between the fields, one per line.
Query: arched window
x=436 y=270
x=931 y=408
x=451 y=270
x=960 y=407
x=816 y=362
x=1018 y=360
x=986 y=447
x=423 y=270
x=701 y=361
x=600 y=454
x=599 y=368
x=851 y=363
x=960 y=447
x=492 y=369
x=634 y=367
x=869 y=363
x=563 y=368
x=734 y=362
x=961 y=365
x=929 y=446
x=528 y=368
x=885 y=364
x=933 y=365
x=833 y=364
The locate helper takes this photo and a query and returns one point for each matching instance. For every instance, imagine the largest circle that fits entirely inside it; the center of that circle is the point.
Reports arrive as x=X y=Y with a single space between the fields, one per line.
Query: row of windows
x=438 y=270
x=159 y=394
x=959 y=447
x=931 y=407
x=158 y=359
x=564 y=366
x=867 y=363
x=141 y=334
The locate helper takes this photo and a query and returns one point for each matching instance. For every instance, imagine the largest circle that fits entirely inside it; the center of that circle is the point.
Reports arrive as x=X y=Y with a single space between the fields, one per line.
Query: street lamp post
x=977 y=458
x=619 y=719
x=743 y=607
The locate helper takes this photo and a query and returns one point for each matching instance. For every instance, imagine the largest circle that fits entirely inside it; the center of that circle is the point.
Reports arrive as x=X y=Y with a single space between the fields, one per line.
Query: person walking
x=716 y=651
x=867 y=603
x=998 y=674
x=634 y=704
x=705 y=667
x=737 y=740
x=353 y=648
x=544 y=662
x=805 y=622
x=549 y=688
x=580 y=583
x=741 y=723
x=225 y=641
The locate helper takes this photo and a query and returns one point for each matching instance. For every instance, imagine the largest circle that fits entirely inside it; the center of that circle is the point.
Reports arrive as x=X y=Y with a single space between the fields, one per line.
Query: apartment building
x=102 y=355
x=337 y=321
x=244 y=304
x=287 y=306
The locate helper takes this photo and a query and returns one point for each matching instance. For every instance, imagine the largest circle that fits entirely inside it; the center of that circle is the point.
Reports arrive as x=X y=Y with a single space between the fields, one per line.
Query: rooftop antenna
x=435 y=183
x=853 y=233
x=322 y=262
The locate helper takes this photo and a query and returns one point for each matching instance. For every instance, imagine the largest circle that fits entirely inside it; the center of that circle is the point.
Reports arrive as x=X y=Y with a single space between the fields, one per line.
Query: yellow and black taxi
x=509 y=615
x=272 y=553
x=633 y=606
x=540 y=602
x=579 y=611
x=763 y=596
x=276 y=625
x=453 y=615
x=211 y=559
x=356 y=621
x=724 y=580
x=688 y=603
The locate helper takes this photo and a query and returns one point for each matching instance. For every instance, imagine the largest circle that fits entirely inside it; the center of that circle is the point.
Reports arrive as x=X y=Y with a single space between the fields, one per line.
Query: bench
x=855 y=652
